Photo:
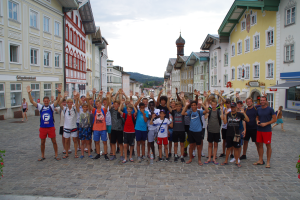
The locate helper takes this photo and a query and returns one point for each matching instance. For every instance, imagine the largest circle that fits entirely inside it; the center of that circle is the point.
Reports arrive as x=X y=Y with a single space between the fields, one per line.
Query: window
x=240 y=73
x=67 y=33
x=15 y=94
x=239 y=47
x=215 y=80
x=67 y=60
x=56 y=28
x=233 y=74
x=71 y=73
x=47 y=59
x=253 y=19
x=13 y=10
x=270 y=98
x=71 y=36
x=289 y=53
x=57 y=60
x=33 y=56
x=232 y=50
x=270 y=38
x=215 y=60
x=47 y=90
x=74 y=62
x=47 y=24
x=256 y=71
x=35 y=91
x=33 y=19
x=212 y=80
x=74 y=38
x=270 y=70
x=78 y=41
x=226 y=59
x=225 y=79
x=256 y=42
x=201 y=87
x=243 y=25
x=70 y=61
x=247 y=72
x=247 y=45
x=290 y=16
x=14 y=53
x=2 y=96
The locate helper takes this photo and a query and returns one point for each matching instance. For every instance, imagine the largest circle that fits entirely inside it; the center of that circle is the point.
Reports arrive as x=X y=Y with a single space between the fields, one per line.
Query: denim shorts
x=100 y=134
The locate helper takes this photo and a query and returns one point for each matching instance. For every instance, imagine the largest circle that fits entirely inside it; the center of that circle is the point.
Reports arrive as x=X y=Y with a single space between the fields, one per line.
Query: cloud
x=142 y=33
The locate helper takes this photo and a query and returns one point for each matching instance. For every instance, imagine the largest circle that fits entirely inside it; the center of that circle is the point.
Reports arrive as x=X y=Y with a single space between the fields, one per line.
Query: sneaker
x=97 y=156
x=231 y=156
x=143 y=158
x=160 y=159
x=194 y=154
x=243 y=157
x=169 y=155
x=232 y=160
x=202 y=154
x=78 y=149
x=121 y=158
x=222 y=155
x=118 y=150
x=182 y=160
x=106 y=157
x=113 y=158
x=167 y=159
x=176 y=159
x=139 y=159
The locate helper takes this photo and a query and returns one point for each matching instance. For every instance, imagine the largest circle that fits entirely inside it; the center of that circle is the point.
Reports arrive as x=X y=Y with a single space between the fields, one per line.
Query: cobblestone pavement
x=100 y=179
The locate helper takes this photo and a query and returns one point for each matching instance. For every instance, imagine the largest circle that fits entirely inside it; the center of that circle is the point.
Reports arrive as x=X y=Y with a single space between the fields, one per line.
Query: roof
x=69 y=4
x=179 y=61
x=209 y=41
x=97 y=37
x=180 y=40
x=87 y=17
x=236 y=11
x=184 y=58
x=202 y=56
x=285 y=85
x=170 y=65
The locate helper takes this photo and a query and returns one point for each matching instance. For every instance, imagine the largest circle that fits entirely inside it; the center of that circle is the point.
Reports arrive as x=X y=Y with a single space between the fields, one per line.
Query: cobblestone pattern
x=86 y=178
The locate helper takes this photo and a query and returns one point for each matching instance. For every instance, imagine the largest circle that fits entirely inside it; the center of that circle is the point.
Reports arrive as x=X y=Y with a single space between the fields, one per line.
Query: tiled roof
x=202 y=54
x=172 y=60
x=184 y=58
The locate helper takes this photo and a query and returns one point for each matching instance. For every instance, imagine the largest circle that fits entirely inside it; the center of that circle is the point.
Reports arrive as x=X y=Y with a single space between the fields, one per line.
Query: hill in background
x=148 y=81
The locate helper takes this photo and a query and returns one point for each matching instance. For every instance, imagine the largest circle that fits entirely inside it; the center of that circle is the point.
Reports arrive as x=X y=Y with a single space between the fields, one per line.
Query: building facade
x=251 y=35
x=31 y=51
x=126 y=83
x=114 y=77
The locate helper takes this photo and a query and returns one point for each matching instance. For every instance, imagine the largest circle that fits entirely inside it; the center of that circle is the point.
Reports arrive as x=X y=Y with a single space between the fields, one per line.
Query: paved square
x=86 y=178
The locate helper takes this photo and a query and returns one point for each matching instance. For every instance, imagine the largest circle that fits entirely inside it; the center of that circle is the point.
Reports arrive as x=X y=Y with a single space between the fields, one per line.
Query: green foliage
x=298 y=166
x=145 y=78
x=150 y=84
x=2 y=154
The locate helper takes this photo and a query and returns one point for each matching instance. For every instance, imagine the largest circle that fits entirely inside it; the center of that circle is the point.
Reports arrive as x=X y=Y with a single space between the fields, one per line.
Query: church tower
x=180 y=46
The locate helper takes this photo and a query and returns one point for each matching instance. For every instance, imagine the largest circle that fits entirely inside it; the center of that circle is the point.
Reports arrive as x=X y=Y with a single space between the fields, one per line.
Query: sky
x=142 y=33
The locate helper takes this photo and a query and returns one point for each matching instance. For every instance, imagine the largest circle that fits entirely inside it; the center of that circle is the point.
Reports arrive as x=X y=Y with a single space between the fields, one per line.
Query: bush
x=2 y=154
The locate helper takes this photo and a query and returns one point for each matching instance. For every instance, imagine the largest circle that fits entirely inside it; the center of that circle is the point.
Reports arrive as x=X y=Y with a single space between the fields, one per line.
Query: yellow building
x=250 y=29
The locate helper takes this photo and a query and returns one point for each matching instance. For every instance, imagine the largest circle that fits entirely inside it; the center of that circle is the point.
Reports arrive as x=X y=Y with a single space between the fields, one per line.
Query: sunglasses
x=69 y=113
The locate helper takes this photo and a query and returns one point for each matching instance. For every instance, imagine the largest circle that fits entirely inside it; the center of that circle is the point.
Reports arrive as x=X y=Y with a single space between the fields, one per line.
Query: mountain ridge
x=148 y=81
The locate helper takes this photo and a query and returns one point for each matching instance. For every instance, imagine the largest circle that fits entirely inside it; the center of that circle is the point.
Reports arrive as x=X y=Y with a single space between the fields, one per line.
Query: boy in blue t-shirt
x=195 y=131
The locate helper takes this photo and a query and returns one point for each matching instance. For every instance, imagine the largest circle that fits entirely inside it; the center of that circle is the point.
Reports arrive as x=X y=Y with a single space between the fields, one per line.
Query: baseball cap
x=232 y=104
x=239 y=101
x=163 y=111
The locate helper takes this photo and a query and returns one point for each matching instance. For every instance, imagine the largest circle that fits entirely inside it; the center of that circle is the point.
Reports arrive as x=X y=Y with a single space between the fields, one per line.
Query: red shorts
x=163 y=141
x=264 y=137
x=47 y=131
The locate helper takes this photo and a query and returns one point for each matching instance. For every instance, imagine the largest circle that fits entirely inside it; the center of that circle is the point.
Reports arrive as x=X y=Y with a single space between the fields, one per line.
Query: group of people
x=164 y=121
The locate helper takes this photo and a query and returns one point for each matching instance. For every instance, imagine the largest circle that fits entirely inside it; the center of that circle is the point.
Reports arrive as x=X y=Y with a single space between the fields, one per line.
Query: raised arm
x=152 y=117
x=196 y=95
x=225 y=116
x=139 y=100
x=135 y=110
x=220 y=96
x=185 y=108
x=158 y=98
x=152 y=97
x=206 y=97
x=177 y=95
x=126 y=97
x=30 y=97
x=246 y=117
x=121 y=108
x=168 y=102
x=76 y=97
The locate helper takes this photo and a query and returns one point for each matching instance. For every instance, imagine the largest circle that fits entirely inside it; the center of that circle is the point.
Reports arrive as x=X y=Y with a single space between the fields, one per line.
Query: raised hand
x=242 y=111
x=151 y=95
x=176 y=90
x=131 y=93
x=169 y=94
x=28 y=88
x=187 y=103
x=161 y=91
x=226 y=111
x=66 y=94
x=153 y=115
x=237 y=95
x=101 y=93
x=111 y=90
x=200 y=101
x=208 y=93
x=131 y=102
x=52 y=98
x=195 y=92
x=87 y=95
x=137 y=94
x=94 y=91
x=204 y=94
x=142 y=95
x=181 y=94
x=74 y=93
x=107 y=94
x=222 y=92
x=264 y=94
x=59 y=88
x=216 y=92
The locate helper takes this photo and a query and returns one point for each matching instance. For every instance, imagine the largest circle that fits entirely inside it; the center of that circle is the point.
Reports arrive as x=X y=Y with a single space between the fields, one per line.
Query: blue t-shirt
x=251 y=113
x=140 y=124
x=195 y=124
x=265 y=115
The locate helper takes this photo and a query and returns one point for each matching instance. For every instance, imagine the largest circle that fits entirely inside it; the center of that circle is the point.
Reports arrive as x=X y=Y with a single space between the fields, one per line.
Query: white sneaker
x=239 y=161
x=232 y=160
x=194 y=153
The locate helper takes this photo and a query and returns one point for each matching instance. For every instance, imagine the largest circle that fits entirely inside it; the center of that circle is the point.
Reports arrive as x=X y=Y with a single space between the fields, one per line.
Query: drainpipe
x=100 y=56
x=64 y=51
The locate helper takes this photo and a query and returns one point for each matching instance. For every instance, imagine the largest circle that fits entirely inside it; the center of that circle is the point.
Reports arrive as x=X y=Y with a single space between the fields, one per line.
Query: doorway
x=255 y=95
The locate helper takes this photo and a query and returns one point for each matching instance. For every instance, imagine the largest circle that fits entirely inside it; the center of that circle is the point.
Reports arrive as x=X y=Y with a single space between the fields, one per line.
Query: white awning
x=231 y=94
x=243 y=94
x=227 y=93
x=285 y=85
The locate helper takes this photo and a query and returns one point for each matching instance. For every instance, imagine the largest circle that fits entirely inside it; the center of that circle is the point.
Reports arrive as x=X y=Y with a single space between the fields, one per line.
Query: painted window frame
x=49 y=24
x=243 y=22
x=59 y=28
x=225 y=79
x=270 y=65
x=215 y=80
x=253 y=15
x=254 y=71
x=19 y=52
x=254 y=42
x=226 y=59
x=37 y=56
x=239 y=73
x=47 y=89
x=291 y=57
x=18 y=11
x=270 y=31
x=2 y=94
x=32 y=11
x=232 y=50
x=59 y=60
x=16 y=91
x=50 y=60
x=247 y=41
x=232 y=73
x=239 y=47
x=286 y=16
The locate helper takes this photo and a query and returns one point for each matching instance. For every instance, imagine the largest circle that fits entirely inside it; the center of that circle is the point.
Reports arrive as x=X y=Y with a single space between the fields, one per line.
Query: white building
x=104 y=64
x=114 y=76
x=174 y=76
x=126 y=83
x=219 y=69
x=31 y=51
x=287 y=68
x=135 y=86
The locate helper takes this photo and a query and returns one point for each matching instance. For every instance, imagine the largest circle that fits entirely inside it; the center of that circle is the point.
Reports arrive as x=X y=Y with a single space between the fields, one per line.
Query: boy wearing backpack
x=195 y=130
x=213 y=137
x=129 y=131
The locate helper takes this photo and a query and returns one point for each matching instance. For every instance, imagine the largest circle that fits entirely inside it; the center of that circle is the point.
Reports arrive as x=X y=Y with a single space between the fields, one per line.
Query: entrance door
x=255 y=98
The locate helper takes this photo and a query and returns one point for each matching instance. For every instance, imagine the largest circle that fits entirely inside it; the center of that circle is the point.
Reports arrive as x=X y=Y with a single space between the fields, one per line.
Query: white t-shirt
x=70 y=117
x=203 y=120
x=163 y=130
x=107 y=116
x=152 y=127
x=225 y=125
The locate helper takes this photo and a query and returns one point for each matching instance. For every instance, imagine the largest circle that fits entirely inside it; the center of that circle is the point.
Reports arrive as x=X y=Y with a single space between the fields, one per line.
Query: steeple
x=180 y=45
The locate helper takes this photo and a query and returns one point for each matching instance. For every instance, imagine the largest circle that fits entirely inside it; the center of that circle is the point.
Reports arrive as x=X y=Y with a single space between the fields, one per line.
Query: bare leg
x=97 y=146
x=175 y=147
x=113 y=147
x=125 y=149
x=143 y=147
x=170 y=147
x=67 y=145
x=224 y=146
x=245 y=147
x=260 y=148
x=181 y=148
x=82 y=147
x=236 y=155
x=148 y=147
x=138 y=150
x=152 y=148
x=43 y=143
x=228 y=151
x=191 y=153
x=105 y=147
x=210 y=146
x=166 y=151
x=269 y=152
x=121 y=149
x=282 y=127
x=64 y=143
x=215 y=151
x=54 y=146
x=199 y=148
x=26 y=116
x=160 y=150
x=274 y=125
x=131 y=150
x=88 y=146
x=75 y=140
x=23 y=116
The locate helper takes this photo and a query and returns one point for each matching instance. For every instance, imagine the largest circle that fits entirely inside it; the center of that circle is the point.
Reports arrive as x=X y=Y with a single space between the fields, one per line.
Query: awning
x=243 y=93
x=227 y=93
x=231 y=94
x=285 y=85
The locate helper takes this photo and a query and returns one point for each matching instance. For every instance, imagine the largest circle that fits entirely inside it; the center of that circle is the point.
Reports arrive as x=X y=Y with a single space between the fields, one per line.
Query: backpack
x=133 y=119
x=218 y=114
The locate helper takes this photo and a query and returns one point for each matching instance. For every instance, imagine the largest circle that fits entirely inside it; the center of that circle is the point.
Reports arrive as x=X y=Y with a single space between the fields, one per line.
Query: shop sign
x=38 y=101
x=26 y=78
x=229 y=84
x=273 y=89
x=253 y=84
